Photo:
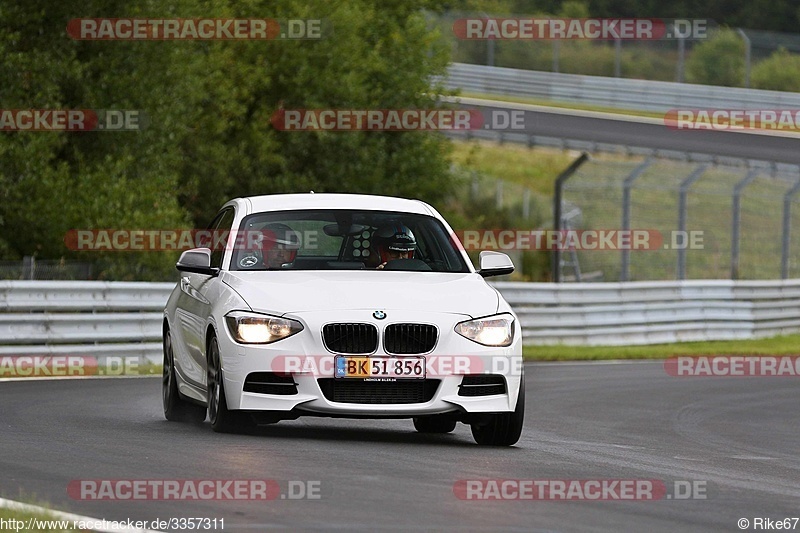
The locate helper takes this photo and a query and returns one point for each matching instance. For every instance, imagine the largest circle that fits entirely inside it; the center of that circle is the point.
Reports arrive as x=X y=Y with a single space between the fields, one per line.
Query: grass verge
x=32 y=520
x=782 y=345
x=535 y=168
x=564 y=105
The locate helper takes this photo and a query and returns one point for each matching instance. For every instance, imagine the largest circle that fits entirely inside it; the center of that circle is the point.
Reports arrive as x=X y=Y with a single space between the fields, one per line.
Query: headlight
x=495 y=330
x=249 y=328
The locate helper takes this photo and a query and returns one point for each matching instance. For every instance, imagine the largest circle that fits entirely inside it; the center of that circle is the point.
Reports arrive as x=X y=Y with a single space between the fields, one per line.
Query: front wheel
x=176 y=409
x=222 y=419
x=503 y=429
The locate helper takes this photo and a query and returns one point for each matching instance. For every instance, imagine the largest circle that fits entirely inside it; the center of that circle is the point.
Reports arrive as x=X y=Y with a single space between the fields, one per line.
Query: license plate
x=380 y=367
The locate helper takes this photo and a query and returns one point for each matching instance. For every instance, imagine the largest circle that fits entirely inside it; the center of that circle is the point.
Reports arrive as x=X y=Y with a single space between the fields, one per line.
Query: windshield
x=346 y=240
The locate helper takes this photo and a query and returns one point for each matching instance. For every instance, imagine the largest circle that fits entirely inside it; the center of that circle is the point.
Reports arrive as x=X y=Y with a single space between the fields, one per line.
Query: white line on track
x=59 y=515
x=58 y=378
x=603 y=362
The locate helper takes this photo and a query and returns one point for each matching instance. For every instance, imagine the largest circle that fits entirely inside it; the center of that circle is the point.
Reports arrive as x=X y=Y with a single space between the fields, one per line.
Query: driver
x=279 y=244
x=394 y=241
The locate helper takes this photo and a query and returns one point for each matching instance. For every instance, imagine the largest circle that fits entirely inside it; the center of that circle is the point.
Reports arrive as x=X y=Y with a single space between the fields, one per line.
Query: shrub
x=779 y=72
x=717 y=61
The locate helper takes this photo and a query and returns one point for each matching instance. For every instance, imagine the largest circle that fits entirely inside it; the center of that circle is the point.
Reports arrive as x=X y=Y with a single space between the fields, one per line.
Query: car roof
x=281 y=202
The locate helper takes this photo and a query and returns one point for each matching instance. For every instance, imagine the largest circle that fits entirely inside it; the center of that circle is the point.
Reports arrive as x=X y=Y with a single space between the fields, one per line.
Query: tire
x=434 y=424
x=176 y=408
x=503 y=429
x=222 y=419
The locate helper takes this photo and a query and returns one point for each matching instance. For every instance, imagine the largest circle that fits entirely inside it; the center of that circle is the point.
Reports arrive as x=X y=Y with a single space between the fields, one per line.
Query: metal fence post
x=556 y=53
x=626 y=213
x=28 y=267
x=748 y=48
x=787 y=226
x=499 y=194
x=737 y=200
x=489 y=45
x=681 y=59
x=617 y=57
x=682 y=198
x=526 y=203
x=557 y=222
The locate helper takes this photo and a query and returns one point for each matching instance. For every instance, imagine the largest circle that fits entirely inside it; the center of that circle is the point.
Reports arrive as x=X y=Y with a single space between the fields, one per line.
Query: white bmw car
x=341 y=305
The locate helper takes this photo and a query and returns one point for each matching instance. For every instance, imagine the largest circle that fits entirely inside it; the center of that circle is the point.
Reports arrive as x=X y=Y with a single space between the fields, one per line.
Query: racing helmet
x=396 y=237
x=278 y=236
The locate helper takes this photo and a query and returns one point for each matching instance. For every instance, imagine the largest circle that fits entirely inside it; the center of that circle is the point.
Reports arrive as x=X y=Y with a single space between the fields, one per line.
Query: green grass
x=143 y=369
x=147 y=369
x=782 y=345
x=7 y=514
x=25 y=515
x=654 y=206
x=564 y=105
x=597 y=189
x=535 y=168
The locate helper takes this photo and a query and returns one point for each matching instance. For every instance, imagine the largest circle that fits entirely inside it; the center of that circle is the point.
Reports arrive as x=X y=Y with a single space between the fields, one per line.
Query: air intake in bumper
x=378 y=392
x=482 y=385
x=270 y=383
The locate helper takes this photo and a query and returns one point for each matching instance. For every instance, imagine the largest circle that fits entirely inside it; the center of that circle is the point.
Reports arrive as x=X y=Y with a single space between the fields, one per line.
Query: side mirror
x=197 y=261
x=495 y=264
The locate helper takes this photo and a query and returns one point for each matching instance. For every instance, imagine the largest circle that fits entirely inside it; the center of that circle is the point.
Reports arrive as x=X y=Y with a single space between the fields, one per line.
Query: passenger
x=279 y=245
x=391 y=242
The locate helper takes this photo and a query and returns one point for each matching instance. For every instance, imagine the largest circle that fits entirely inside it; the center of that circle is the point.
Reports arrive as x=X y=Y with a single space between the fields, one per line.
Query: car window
x=222 y=222
x=343 y=240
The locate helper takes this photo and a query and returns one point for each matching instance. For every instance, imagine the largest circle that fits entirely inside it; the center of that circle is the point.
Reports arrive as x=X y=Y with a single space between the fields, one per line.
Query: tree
x=209 y=105
x=717 y=61
x=779 y=72
x=52 y=182
x=381 y=55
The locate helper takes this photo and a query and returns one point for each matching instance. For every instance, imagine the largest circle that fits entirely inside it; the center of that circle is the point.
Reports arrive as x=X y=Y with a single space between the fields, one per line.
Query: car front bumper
x=305 y=358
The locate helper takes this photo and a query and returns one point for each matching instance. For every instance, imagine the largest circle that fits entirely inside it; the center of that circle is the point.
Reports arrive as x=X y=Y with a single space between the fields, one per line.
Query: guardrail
x=653 y=312
x=104 y=319
x=91 y=318
x=643 y=95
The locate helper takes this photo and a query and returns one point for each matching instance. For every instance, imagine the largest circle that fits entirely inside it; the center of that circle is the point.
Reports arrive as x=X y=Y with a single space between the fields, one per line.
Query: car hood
x=293 y=292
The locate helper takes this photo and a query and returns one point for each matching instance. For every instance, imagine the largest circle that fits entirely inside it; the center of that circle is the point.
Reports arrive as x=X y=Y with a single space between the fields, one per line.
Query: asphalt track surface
x=583 y=421
x=571 y=125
